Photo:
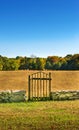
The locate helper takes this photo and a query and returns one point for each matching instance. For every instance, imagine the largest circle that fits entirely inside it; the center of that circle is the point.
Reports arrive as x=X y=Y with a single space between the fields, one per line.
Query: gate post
x=29 y=87
x=50 y=85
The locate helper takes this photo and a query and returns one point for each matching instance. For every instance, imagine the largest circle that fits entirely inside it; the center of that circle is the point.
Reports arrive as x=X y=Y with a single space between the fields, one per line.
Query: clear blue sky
x=39 y=27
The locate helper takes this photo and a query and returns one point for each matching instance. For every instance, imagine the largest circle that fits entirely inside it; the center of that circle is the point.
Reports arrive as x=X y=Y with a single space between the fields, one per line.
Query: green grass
x=49 y=115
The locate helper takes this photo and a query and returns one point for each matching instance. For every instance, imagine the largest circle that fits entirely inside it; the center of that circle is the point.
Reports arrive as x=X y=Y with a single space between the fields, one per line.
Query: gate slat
x=46 y=87
x=49 y=84
x=29 y=88
x=32 y=86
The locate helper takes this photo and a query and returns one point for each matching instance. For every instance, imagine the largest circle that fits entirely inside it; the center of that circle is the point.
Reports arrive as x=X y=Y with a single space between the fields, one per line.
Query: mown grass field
x=18 y=80
x=48 y=115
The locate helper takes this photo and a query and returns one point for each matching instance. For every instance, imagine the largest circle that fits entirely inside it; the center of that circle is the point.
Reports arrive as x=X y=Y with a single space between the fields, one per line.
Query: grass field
x=18 y=80
x=49 y=115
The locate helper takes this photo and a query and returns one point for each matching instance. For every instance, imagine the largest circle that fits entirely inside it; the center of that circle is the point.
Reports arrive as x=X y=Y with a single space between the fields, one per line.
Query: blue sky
x=39 y=27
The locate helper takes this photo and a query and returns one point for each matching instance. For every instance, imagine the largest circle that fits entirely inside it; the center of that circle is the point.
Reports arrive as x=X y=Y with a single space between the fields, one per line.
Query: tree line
x=69 y=62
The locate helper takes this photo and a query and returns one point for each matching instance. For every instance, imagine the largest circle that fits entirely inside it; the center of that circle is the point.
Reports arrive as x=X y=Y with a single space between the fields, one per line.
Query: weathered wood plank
x=29 y=87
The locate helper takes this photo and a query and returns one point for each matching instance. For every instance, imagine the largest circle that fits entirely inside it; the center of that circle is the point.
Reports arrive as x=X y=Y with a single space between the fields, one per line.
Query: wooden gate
x=39 y=86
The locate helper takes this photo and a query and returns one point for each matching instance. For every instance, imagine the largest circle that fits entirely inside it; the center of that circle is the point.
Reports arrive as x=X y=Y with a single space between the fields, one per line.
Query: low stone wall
x=12 y=96
x=64 y=95
x=20 y=96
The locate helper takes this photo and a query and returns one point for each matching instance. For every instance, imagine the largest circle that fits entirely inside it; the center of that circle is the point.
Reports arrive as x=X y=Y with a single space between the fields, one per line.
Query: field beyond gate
x=18 y=80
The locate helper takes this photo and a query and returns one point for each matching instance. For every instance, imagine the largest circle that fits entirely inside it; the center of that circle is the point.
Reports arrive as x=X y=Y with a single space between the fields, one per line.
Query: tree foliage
x=69 y=62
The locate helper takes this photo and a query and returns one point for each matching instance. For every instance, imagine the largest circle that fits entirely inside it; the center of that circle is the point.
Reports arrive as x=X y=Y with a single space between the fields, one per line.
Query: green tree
x=73 y=63
x=1 y=63
x=40 y=63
